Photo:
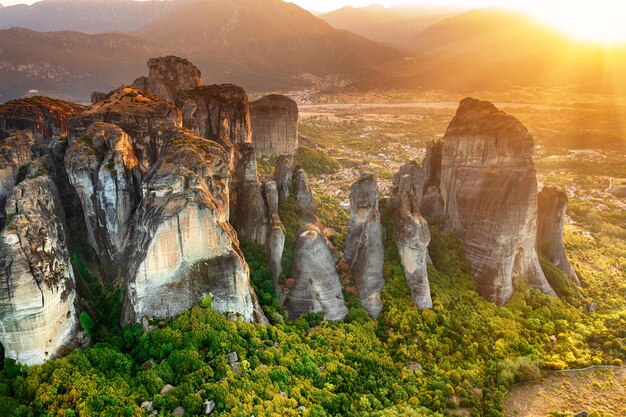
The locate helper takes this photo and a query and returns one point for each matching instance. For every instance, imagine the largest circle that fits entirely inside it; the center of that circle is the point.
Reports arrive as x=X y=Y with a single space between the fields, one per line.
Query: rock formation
x=551 y=208
x=274 y=125
x=168 y=76
x=46 y=117
x=249 y=213
x=144 y=117
x=411 y=233
x=220 y=113
x=101 y=166
x=364 y=243
x=317 y=287
x=182 y=246
x=489 y=189
x=431 y=205
x=37 y=312
x=283 y=176
x=15 y=154
x=275 y=244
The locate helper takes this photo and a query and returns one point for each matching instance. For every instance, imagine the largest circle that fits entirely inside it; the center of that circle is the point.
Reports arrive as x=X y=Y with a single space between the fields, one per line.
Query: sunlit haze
x=597 y=21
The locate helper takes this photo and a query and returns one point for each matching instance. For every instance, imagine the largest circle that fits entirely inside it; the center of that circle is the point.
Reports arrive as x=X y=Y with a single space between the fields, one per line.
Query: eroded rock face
x=431 y=205
x=220 y=113
x=144 y=117
x=364 y=248
x=317 y=287
x=274 y=125
x=489 y=189
x=46 y=117
x=551 y=208
x=37 y=295
x=275 y=245
x=168 y=76
x=412 y=236
x=283 y=176
x=304 y=195
x=249 y=214
x=102 y=167
x=182 y=246
x=15 y=154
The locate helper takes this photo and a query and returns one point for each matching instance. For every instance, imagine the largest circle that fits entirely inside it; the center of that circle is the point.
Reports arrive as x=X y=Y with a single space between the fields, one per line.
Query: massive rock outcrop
x=182 y=246
x=47 y=118
x=283 y=176
x=220 y=113
x=411 y=232
x=275 y=244
x=102 y=167
x=15 y=155
x=489 y=189
x=144 y=117
x=364 y=243
x=317 y=286
x=431 y=205
x=249 y=212
x=274 y=125
x=551 y=208
x=168 y=76
x=37 y=311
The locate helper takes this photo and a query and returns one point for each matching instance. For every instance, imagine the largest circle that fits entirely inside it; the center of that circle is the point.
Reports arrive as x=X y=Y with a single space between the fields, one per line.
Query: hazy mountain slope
x=266 y=43
x=89 y=16
x=68 y=64
x=497 y=49
x=396 y=25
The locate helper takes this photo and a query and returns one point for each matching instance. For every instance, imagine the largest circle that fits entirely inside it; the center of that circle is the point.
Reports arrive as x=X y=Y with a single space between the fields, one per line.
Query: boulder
x=489 y=190
x=168 y=76
x=274 y=125
x=551 y=208
x=37 y=292
x=364 y=243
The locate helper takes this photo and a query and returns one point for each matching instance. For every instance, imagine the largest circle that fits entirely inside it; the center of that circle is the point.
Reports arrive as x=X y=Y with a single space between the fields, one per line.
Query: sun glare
x=596 y=21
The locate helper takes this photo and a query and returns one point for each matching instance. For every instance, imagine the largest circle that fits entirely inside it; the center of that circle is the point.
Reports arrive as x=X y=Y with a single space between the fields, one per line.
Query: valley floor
x=599 y=389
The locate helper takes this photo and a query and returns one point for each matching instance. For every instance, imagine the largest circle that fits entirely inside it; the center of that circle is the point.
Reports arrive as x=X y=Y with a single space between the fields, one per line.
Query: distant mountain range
x=273 y=45
x=396 y=25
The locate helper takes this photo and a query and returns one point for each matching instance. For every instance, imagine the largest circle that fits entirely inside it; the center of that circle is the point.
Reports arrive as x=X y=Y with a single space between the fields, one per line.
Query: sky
x=597 y=20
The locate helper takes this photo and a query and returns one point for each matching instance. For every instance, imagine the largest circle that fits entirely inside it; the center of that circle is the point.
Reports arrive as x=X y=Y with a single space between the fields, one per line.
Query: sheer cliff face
x=220 y=113
x=411 y=232
x=144 y=117
x=364 y=248
x=102 y=167
x=274 y=125
x=317 y=287
x=182 y=246
x=489 y=189
x=15 y=154
x=37 y=295
x=551 y=208
x=431 y=205
x=45 y=117
x=168 y=76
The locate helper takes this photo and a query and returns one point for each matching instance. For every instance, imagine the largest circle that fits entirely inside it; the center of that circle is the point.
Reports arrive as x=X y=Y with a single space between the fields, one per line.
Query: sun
x=598 y=21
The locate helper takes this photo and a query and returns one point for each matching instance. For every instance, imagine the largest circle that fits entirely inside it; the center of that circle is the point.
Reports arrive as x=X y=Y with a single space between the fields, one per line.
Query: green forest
x=464 y=353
